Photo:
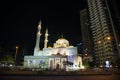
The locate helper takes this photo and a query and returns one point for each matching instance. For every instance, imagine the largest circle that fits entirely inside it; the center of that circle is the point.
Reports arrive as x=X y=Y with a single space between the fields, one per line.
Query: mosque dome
x=61 y=42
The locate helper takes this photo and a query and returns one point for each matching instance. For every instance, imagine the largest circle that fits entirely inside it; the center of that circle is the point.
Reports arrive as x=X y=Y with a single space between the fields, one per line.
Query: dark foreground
x=87 y=74
x=93 y=77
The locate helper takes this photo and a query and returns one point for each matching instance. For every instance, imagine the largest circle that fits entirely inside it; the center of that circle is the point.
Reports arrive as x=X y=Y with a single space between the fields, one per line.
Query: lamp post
x=16 y=51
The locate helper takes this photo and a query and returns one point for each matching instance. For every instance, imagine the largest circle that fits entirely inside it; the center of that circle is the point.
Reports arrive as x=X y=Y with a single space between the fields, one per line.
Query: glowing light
x=16 y=47
x=108 y=38
x=101 y=66
x=107 y=64
x=78 y=57
x=111 y=66
x=99 y=42
x=116 y=66
x=61 y=42
x=83 y=67
x=49 y=47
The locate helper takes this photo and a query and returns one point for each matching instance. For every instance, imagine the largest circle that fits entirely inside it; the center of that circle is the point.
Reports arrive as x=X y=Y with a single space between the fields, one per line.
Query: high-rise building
x=86 y=33
x=105 y=40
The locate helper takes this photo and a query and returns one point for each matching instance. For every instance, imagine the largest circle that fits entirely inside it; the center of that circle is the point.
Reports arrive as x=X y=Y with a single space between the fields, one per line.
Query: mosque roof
x=62 y=42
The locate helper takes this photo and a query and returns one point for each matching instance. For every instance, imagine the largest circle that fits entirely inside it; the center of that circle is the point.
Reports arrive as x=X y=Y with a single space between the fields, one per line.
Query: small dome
x=61 y=42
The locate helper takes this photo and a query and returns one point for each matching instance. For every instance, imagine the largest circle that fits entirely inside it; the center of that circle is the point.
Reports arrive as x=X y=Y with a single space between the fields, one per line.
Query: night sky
x=19 y=20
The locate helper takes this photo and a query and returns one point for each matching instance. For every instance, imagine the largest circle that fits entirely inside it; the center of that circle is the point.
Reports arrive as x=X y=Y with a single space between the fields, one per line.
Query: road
x=95 y=77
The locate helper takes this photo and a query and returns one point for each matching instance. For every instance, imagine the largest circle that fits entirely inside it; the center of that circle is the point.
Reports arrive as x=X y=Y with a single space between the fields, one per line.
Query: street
x=95 y=77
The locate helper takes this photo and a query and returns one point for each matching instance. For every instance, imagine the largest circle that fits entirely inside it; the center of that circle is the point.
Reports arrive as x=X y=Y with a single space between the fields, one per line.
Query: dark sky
x=19 y=20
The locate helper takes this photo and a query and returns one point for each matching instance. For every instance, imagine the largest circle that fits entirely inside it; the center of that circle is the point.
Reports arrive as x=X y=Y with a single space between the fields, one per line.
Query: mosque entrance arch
x=58 y=66
x=51 y=64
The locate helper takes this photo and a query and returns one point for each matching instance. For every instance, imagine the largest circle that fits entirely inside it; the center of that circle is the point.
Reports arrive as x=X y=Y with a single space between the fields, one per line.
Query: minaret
x=62 y=35
x=46 y=38
x=38 y=37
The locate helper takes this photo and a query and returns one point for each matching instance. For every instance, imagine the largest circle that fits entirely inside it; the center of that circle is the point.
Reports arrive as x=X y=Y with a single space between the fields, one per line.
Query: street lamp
x=16 y=51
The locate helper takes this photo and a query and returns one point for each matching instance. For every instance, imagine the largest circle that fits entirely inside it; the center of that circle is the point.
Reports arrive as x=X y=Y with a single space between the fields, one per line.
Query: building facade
x=86 y=33
x=87 y=44
x=60 y=56
x=103 y=33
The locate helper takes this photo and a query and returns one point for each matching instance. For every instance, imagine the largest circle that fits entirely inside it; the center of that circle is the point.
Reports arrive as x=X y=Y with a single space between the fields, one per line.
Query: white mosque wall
x=37 y=52
x=50 y=51
x=35 y=62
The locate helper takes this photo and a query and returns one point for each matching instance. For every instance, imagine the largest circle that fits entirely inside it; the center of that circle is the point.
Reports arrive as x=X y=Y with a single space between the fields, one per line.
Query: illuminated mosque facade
x=60 y=56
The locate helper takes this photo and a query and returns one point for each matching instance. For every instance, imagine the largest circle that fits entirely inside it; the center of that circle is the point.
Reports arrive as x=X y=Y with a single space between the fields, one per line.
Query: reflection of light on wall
x=62 y=51
x=110 y=66
x=28 y=61
x=54 y=51
x=78 y=57
x=101 y=66
x=41 y=61
x=70 y=58
x=34 y=62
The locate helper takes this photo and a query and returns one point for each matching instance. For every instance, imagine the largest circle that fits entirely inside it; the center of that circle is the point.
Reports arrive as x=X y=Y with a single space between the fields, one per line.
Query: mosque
x=61 y=56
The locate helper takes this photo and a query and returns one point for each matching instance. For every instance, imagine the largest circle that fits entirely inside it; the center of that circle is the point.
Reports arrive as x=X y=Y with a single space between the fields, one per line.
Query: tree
x=118 y=63
x=8 y=59
x=42 y=65
x=67 y=63
x=89 y=63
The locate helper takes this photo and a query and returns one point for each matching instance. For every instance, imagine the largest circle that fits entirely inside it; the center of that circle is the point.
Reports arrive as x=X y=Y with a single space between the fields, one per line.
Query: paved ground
x=95 y=77
x=79 y=75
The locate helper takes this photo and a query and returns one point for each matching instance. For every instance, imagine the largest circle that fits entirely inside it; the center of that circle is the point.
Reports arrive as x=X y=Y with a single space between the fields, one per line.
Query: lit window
x=99 y=42
x=108 y=38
